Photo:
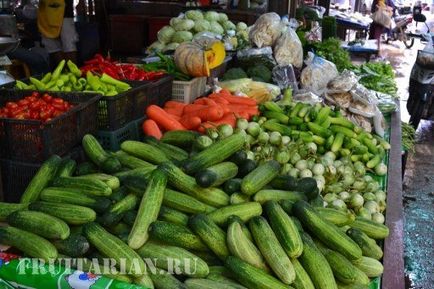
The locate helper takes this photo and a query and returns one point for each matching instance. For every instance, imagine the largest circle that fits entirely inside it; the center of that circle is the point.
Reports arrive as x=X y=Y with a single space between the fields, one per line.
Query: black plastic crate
x=112 y=140
x=34 y=141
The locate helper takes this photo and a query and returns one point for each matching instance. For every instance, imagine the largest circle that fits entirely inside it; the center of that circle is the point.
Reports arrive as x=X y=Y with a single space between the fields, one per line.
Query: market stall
x=272 y=168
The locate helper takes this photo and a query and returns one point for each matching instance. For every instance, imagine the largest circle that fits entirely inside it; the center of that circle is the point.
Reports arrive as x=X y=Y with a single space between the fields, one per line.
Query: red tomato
x=56 y=113
x=15 y=111
x=11 y=104
x=47 y=97
x=20 y=116
x=48 y=119
x=34 y=115
x=23 y=102
x=5 y=110
x=35 y=105
x=3 y=115
x=31 y=98
x=43 y=115
x=35 y=94
x=57 y=100
x=58 y=106
x=50 y=110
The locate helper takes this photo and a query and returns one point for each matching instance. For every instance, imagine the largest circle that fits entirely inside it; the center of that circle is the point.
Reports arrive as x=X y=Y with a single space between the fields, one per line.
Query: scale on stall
x=9 y=40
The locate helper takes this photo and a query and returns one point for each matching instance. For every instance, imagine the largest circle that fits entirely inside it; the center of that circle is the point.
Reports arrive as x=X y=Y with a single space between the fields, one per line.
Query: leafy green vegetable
x=378 y=76
x=408 y=135
x=167 y=65
x=234 y=73
x=259 y=73
x=331 y=50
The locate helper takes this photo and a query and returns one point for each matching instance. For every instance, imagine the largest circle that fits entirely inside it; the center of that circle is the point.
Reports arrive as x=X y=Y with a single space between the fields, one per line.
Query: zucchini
x=9 y=208
x=99 y=156
x=337 y=217
x=211 y=234
x=163 y=280
x=148 y=209
x=111 y=181
x=260 y=177
x=284 y=182
x=240 y=246
x=71 y=214
x=172 y=152
x=316 y=265
x=144 y=151
x=369 y=246
x=214 y=154
x=271 y=249
x=89 y=186
x=176 y=235
x=28 y=243
x=113 y=247
x=210 y=284
x=42 y=178
x=277 y=195
x=246 y=167
x=187 y=184
x=75 y=197
x=164 y=255
x=245 y=211
x=86 y=168
x=216 y=175
x=302 y=279
x=74 y=246
x=232 y=186
x=252 y=277
x=239 y=198
x=172 y=216
x=66 y=169
x=285 y=229
x=180 y=138
x=132 y=162
x=372 y=229
x=370 y=266
x=40 y=224
x=185 y=203
x=326 y=232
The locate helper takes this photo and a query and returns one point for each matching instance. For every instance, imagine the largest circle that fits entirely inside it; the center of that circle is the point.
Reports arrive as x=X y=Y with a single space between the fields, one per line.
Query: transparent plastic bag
x=317 y=74
x=343 y=82
x=386 y=103
x=266 y=30
x=284 y=77
x=288 y=49
x=306 y=96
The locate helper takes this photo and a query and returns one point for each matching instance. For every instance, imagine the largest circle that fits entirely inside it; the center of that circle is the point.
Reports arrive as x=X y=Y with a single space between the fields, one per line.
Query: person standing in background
x=56 y=24
x=376 y=29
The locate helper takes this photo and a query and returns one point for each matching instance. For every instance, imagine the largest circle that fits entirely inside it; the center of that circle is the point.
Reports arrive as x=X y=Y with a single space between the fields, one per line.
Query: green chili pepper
x=37 y=83
x=58 y=70
x=55 y=88
x=77 y=86
x=110 y=80
x=93 y=81
x=64 y=78
x=46 y=78
x=73 y=68
x=21 y=85
x=82 y=81
x=72 y=78
x=60 y=83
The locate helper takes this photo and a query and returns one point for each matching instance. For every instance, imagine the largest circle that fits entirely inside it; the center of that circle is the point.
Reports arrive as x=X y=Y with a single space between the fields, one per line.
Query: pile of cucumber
x=242 y=223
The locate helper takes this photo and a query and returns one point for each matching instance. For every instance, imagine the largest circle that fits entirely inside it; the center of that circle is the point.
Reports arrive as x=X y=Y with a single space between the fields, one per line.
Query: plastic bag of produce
x=288 y=49
x=343 y=82
x=165 y=34
x=306 y=96
x=266 y=30
x=317 y=74
x=255 y=56
x=386 y=103
x=284 y=76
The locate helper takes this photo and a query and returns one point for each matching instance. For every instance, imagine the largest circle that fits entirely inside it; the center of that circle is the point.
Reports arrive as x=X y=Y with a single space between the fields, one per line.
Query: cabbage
x=241 y=26
x=174 y=21
x=202 y=25
x=223 y=17
x=170 y=46
x=212 y=16
x=157 y=46
x=184 y=25
x=216 y=28
x=165 y=34
x=194 y=15
x=182 y=36
x=229 y=25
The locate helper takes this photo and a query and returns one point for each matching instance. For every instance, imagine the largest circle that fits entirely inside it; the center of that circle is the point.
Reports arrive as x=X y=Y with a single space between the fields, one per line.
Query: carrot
x=242 y=114
x=204 y=126
x=220 y=100
x=226 y=108
x=174 y=110
x=200 y=101
x=151 y=128
x=191 y=122
x=176 y=104
x=225 y=91
x=163 y=119
x=229 y=119
x=209 y=101
x=251 y=110
x=211 y=113
x=189 y=108
x=240 y=100
x=175 y=117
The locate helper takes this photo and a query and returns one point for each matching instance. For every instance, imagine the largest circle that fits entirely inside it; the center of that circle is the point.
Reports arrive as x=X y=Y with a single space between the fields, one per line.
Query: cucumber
x=307 y=186
x=180 y=138
x=111 y=181
x=163 y=255
x=211 y=234
x=316 y=265
x=252 y=277
x=232 y=186
x=172 y=152
x=369 y=246
x=172 y=216
x=113 y=247
x=337 y=217
x=246 y=167
x=260 y=177
x=323 y=114
x=89 y=186
x=132 y=162
x=144 y=281
x=216 y=175
x=71 y=214
x=371 y=267
x=118 y=194
x=42 y=178
x=224 y=280
x=361 y=277
x=209 y=257
x=240 y=246
x=99 y=156
x=245 y=211
x=40 y=224
x=214 y=154
x=276 y=195
x=284 y=182
x=75 y=197
x=239 y=157
x=319 y=130
x=9 y=208
x=245 y=229
x=271 y=249
x=185 y=203
x=337 y=143
x=28 y=243
x=287 y=206
x=176 y=235
x=302 y=279
x=129 y=217
x=164 y=280
x=148 y=209
x=143 y=173
x=144 y=151
x=74 y=246
x=239 y=198
x=187 y=184
x=66 y=169
x=285 y=229
x=117 y=210
x=274 y=126
x=86 y=168
x=352 y=286
x=372 y=229
x=209 y=284
x=326 y=232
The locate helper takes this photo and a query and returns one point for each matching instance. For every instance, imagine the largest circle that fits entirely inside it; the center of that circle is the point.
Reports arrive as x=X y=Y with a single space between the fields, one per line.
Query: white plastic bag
x=343 y=82
x=266 y=30
x=288 y=49
x=317 y=74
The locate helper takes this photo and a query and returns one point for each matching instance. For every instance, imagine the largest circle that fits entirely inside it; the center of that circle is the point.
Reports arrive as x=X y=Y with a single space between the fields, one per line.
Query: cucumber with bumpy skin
x=74 y=246
x=172 y=216
x=8 y=208
x=245 y=211
x=216 y=175
x=368 y=245
x=185 y=203
x=71 y=214
x=209 y=284
x=164 y=280
x=90 y=186
x=302 y=279
x=372 y=229
x=144 y=151
x=260 y=177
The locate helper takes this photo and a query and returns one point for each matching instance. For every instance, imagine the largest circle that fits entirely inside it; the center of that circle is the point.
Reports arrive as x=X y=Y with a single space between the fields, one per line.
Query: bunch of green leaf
x=408 y=137
x=331 y=50
x=377 y=76
x=166 y=64
x=259 y=73
x=234 y=73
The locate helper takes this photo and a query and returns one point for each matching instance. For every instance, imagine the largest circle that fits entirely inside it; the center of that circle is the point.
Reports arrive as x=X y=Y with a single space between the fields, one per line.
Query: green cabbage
x=174 y=21
x=216 y=28
x=241 y=26
x=229 y=25
x=184 y=25
x=202 y=25
x=212 y=16
x=182 y=36
x=223 y=17
x=170 y=46
x=165 y=34
x=157 y=46
x=194 y=15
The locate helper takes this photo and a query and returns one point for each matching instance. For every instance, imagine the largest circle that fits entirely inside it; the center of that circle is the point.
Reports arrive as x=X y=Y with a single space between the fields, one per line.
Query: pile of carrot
x=206 y=112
